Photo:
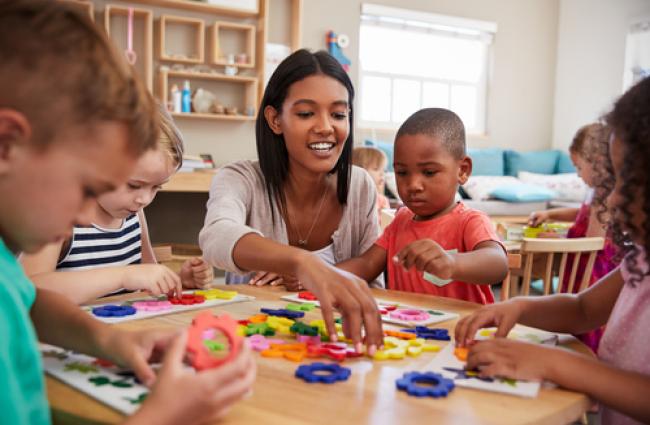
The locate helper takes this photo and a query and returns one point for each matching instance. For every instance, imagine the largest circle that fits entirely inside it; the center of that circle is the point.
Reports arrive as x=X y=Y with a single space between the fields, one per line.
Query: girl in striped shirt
x=114 y=253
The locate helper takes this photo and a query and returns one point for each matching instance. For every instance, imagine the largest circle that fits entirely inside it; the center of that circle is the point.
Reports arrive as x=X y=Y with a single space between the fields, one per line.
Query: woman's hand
x=350 y=295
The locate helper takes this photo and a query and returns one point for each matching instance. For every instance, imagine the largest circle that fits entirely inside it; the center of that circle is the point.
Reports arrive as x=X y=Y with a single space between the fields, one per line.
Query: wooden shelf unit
x=223 y=117
x=218 y=53
x=144 y=63
x=250 y=95
x=199 y=39
x=195 y=6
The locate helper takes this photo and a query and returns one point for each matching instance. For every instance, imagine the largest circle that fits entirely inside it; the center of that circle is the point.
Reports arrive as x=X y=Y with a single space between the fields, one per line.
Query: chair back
x=551 y=250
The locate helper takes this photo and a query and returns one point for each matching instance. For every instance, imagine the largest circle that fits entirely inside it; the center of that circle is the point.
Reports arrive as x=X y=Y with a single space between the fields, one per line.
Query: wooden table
x=368 y=397
x=195 y=181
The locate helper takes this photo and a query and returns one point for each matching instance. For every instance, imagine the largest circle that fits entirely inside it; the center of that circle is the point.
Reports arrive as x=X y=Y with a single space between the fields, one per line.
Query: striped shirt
x=93 y=247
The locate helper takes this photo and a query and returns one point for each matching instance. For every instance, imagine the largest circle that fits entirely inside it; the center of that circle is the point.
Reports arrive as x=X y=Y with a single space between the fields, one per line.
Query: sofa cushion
x=494 y=207
x=487 y=162
x=522 y=192
x=567 y=187
x=480 y=187
x=541 y=162
x=387 y=147
x=564 y=164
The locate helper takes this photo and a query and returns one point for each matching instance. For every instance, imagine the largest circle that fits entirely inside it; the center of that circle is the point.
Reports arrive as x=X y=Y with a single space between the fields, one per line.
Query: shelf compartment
x=195 y=6
x=238 y=91
x=230 y=38
x=184 y=31
x=116 y=19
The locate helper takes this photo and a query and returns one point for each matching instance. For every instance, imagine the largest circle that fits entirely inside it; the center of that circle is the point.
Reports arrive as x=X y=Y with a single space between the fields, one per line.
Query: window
x=637 y=53
x=411 y=60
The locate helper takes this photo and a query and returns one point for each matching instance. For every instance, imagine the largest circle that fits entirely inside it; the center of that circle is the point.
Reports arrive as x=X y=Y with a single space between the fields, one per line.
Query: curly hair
x=591 y=142
x=630 y=122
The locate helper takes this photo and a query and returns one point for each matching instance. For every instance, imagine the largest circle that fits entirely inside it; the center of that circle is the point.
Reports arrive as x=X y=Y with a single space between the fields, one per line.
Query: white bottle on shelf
x=176 y=98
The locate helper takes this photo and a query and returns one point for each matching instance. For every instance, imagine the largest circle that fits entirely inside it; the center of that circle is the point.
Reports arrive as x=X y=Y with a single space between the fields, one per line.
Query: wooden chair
x=551 y=249
x=514 y=262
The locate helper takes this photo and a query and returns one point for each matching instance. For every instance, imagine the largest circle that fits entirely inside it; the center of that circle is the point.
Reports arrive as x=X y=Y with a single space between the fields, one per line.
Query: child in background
x=374 y=161
x=106 y=257
x=590 y=154
x=436 y=246
x=620 y=378
x=63 y=142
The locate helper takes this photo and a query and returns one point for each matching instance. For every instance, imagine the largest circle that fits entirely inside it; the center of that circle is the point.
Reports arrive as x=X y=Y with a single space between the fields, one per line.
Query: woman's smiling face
x=314 y=121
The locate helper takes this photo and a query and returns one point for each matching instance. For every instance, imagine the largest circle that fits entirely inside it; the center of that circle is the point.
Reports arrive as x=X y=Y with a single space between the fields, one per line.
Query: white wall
x=521 y=89
x=590 y=59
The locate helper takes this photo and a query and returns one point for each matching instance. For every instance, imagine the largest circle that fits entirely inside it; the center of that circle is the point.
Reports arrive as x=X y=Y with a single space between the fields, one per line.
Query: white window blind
x=411 y=60
x=637 y=53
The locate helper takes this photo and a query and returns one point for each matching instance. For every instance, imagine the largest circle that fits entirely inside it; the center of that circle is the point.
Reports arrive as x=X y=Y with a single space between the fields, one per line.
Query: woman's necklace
x=302 y=242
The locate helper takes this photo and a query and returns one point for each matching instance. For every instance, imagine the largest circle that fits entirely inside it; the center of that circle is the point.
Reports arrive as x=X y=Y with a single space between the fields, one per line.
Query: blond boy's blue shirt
x=23 y=399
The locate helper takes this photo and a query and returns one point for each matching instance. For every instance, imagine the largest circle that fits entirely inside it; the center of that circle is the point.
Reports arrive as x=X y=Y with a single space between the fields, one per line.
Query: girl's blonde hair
x=585 y=137
x=170 y=139
x=368 y=157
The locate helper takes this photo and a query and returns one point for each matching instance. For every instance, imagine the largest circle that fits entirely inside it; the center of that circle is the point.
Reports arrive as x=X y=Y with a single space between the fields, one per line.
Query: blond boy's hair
x=170 y=139
x=369 y=157
x=61 y=72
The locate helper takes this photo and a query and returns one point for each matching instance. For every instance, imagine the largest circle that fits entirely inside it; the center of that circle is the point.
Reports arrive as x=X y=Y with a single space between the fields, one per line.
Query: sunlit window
x=411 y=60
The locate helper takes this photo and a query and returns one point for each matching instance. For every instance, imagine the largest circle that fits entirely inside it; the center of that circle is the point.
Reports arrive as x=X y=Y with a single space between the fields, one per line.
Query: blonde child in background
x=436 y=245
x=590 y=155
x=107 y=256
x=63 y=142
x=374 y=161
x=620 y=377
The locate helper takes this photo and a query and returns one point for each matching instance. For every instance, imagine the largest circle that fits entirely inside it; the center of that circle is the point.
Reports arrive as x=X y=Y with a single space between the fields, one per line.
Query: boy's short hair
x=60 y=71
x=369 y=156
x=440 y=123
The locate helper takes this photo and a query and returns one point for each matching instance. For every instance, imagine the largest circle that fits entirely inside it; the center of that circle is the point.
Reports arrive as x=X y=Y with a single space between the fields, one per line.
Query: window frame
x=464 y=26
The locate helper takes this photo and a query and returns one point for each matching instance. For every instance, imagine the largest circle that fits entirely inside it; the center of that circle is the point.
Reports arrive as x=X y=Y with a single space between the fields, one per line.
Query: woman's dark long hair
x=630 y=121
x=271 y=148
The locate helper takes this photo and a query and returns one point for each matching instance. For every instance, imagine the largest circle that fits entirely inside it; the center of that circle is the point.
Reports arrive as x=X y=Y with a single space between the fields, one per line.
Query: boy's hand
x=427 y=256
x=206 y=396
x=503 y=315
x=136 y=350
x=196 y=273
x=511 y=359
x=537 y=217
x=156 y=279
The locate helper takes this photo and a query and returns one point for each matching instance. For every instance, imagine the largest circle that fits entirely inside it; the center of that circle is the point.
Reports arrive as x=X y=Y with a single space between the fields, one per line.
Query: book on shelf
x=196 y=163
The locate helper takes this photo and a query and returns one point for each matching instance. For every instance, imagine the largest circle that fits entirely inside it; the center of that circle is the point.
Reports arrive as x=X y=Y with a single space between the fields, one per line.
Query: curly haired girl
x=620 y=377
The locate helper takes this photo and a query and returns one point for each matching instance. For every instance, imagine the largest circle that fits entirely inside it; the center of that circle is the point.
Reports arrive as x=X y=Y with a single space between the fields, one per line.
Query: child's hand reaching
x=136 y=350
x=156 y=279
x=538 y=217
x=196 y=273
x=502 y=315
x=512 y=359
x=427 y=255
x=207 y=395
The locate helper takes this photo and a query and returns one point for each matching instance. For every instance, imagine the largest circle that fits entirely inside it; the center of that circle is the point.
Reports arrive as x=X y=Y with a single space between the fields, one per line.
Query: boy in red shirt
x=436 y=246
